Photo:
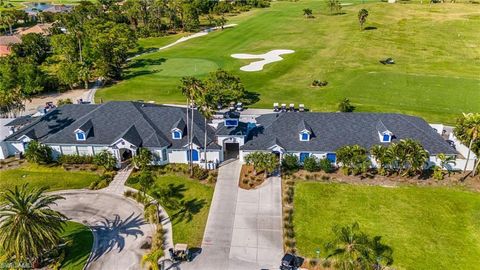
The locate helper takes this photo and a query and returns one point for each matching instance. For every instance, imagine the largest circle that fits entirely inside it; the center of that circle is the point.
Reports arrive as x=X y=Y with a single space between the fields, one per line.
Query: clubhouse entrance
x=231 y=150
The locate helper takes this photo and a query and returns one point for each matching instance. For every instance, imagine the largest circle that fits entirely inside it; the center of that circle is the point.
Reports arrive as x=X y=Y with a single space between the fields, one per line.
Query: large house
x=124 y=127
x=120 y=128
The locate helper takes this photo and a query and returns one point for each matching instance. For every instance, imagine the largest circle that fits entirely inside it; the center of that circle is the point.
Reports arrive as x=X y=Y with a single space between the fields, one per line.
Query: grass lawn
x=428 y=228
x=436 y=74
x=78 y=251
x=198 y=196
x=55 y=178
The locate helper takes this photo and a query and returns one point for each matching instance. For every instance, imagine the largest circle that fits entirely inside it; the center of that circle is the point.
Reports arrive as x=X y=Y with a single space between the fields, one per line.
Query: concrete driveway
x=117 y=224
x=244 y=227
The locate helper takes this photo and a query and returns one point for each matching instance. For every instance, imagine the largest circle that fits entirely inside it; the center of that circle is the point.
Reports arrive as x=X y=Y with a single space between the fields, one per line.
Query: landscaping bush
x=311 y=164
x=132 y=180
x=438 y=173
x=290 y=162
x=106 y=160
x=38 y=153
x=318 y=83
x=199 y=173
x=151 y=213
x=325 y=165
x=75 y=159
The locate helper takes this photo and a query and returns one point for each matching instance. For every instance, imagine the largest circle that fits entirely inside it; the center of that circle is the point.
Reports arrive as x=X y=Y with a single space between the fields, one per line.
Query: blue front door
x=194 y=155
x=303 y=156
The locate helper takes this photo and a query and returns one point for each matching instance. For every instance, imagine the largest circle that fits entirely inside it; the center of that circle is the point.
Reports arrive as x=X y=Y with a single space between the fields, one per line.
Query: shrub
x=199 y=173
x=38 y=153
x=325 y=165
x=311 y=164
x=75 y=159
x=106 y=160
x=290 y=162
x=151 y=213
x=438 y=173
x=132 y=180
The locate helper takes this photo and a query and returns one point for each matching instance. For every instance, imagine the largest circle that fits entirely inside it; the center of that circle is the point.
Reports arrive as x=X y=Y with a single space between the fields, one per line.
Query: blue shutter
x=305 y=136
x=386 y=138
x=177 y=135
x=80 y=136
x=332 y=157
x=303 y=156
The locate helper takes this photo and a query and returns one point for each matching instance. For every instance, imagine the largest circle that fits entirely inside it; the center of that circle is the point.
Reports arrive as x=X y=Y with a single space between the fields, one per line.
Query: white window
x=304 y=136
x=98 y=149
x=164 y=154
x=83 y=150
x=80 y=136
x=176 y=134
x=69 y=150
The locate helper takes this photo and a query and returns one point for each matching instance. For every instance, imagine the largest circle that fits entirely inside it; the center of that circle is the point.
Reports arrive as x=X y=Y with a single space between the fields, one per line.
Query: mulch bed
x=248 y=178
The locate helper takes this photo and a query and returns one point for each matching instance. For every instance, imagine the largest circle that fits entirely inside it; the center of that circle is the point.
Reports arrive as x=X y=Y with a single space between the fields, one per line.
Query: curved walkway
x=119 y=229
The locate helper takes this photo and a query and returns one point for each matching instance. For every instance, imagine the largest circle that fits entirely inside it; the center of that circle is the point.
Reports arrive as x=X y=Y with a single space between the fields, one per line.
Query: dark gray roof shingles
x=334 y=130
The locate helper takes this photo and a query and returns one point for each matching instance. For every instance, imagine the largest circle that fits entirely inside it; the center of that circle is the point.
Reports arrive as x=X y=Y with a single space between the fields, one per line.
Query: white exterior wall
x=240 y=139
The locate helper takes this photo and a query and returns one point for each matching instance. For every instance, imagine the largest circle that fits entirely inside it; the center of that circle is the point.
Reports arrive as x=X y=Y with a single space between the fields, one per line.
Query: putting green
x=180 y=67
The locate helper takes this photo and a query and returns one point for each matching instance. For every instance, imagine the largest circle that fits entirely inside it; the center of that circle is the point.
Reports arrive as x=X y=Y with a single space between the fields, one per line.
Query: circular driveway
x=117 y=223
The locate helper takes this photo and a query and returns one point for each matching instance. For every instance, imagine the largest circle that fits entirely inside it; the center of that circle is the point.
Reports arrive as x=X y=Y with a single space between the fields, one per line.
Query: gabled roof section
x=303 y=126
x=276 y=142
x=381 y=128
x=131 y=135
x=180 y=125
x=86 y=126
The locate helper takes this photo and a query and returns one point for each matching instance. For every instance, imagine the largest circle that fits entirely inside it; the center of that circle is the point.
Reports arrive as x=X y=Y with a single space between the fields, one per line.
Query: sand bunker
x=270 y=57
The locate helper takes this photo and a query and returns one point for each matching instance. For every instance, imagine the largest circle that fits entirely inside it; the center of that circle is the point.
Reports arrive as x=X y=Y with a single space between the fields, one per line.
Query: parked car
x=291 y=262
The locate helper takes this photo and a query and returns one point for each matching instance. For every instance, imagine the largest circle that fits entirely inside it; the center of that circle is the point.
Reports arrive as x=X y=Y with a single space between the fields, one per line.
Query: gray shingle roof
x=112 y=120
x=334 y=130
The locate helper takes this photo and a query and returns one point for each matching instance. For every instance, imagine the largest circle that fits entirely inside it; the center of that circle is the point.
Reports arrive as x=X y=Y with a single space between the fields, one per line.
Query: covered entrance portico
x=231 y=148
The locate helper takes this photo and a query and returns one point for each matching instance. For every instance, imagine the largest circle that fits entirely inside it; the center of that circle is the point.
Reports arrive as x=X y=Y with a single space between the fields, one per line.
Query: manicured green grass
x=436 y=74
x=199 y=197
x=55 y=178
x=80 y=241
x=428 y=228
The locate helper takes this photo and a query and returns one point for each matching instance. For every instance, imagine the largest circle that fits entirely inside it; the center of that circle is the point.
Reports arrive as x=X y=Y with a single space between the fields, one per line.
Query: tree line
x=93 y=42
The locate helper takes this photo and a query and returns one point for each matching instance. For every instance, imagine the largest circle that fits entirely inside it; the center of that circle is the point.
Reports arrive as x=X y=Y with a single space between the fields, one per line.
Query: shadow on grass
x=140 y=63
x=188 y=209
x=79 y=243
x=368 y=28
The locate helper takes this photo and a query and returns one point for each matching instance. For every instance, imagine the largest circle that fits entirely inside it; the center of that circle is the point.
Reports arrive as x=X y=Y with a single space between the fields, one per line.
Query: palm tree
x=350 y=248
x=362 y=17
x=207 y=112
x=191 y=88
x=445 y=161
x=28 y=226
x=468 y=128
x=382 y=157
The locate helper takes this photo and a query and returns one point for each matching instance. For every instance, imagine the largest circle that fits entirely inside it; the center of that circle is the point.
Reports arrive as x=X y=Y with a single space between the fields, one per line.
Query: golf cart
x=388 y=61
x=291 y=262
x=179 y=253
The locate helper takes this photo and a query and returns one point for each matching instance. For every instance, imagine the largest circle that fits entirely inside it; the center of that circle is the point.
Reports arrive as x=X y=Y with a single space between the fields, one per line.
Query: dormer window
x=385 y=136
x=304 y=136
x=80 y=136
x=176 y=134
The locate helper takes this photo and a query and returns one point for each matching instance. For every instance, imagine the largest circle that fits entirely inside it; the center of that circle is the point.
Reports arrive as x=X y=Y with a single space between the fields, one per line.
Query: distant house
x=6 y=43
x=122 y=128
x=41 y=28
